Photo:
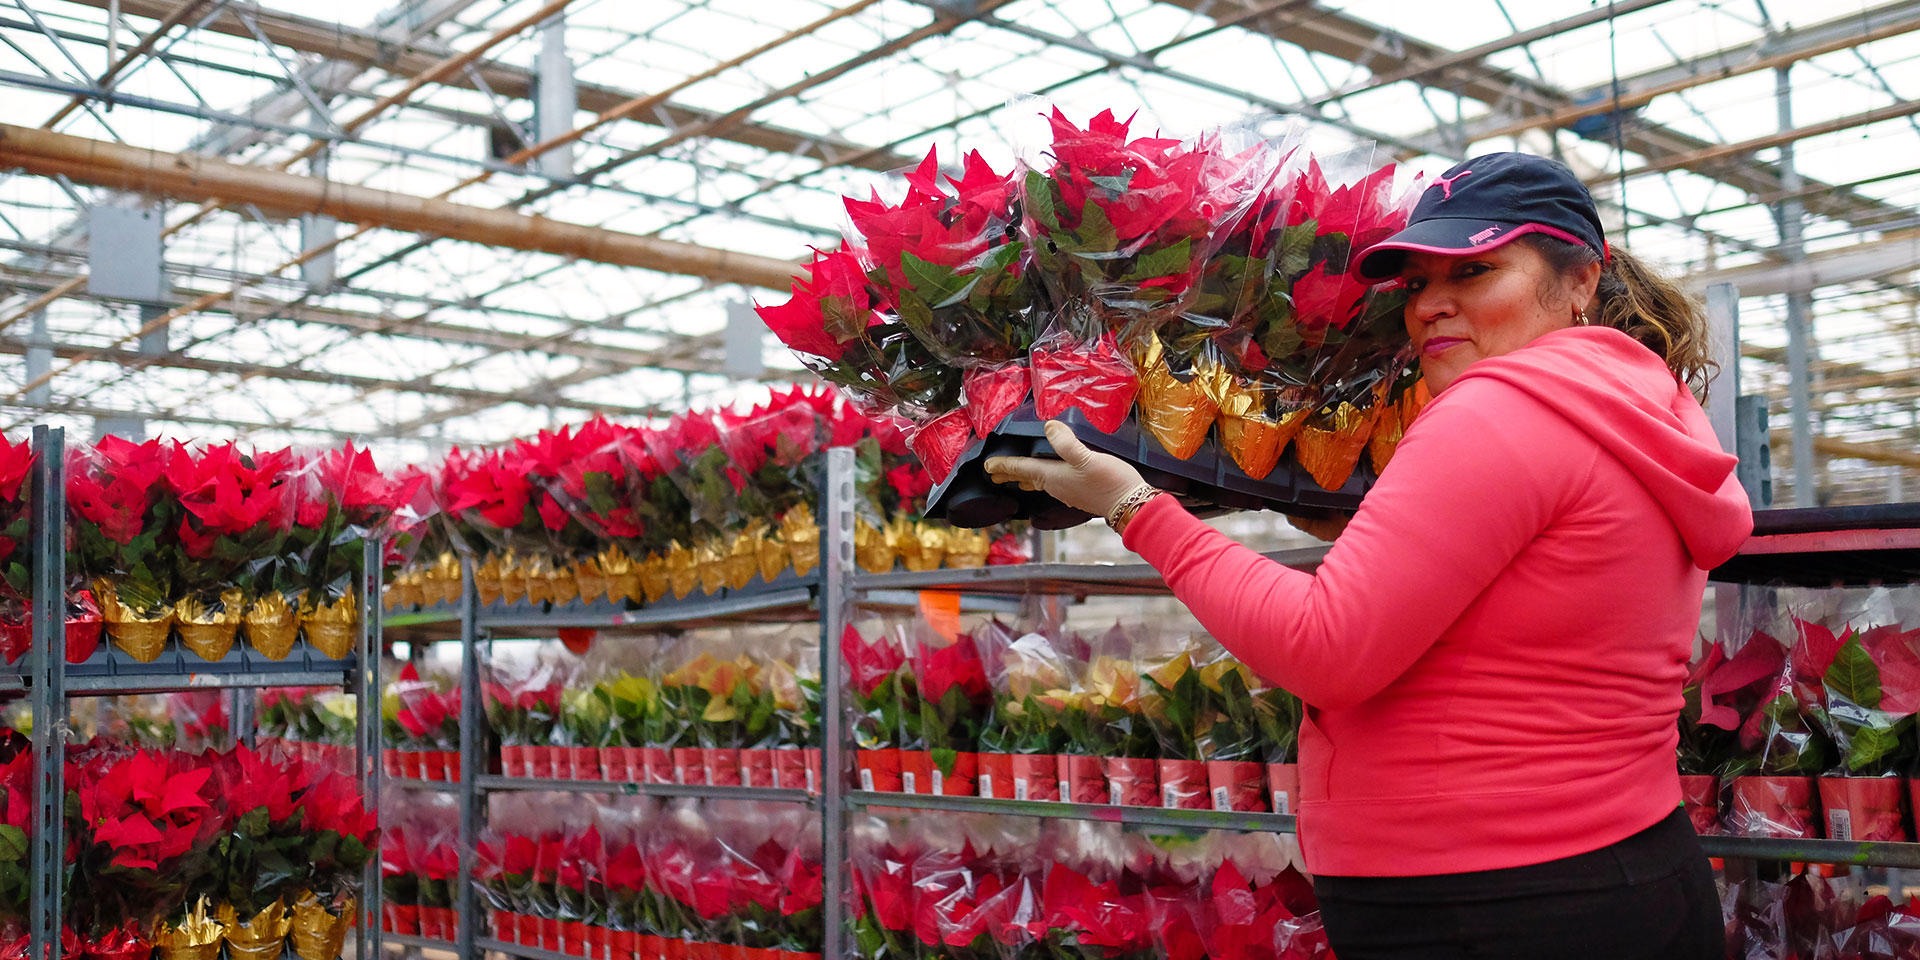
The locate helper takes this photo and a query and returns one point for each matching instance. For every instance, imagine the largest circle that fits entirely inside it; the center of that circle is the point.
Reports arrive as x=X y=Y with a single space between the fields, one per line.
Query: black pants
x=1648 y=897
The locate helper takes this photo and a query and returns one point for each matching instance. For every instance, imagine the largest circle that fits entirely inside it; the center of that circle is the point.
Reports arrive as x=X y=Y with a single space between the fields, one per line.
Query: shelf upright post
x=366 y=733
x=472 y=722
x=48 y=661
x=836 y=578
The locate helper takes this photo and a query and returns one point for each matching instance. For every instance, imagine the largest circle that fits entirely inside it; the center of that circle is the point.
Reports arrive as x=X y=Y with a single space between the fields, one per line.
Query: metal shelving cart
x=1847 y=545
x=51 y=682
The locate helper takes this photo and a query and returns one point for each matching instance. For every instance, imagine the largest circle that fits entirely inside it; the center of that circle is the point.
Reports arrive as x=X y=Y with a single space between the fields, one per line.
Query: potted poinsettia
x=882 y=690
x=1705 y=749
x=955 y=705
x=1861 y=688
x=1780 y=752
x=1179 y=710
x=121 y=541
x=1112 y=751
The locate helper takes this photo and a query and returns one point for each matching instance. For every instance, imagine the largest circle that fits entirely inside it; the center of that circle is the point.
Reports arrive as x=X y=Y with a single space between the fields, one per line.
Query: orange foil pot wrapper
x=1178 y=412
x=1253 y=433
x=1331 y=443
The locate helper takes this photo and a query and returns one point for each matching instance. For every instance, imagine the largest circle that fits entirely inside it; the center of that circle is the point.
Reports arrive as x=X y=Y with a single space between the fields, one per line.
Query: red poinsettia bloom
x=957 y=664
x=16 y=461
x=830 y=309
x=491 y=485
x=869 y=664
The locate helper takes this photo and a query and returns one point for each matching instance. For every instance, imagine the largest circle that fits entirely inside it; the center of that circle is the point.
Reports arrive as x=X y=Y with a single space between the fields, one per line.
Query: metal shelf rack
x=51 y=682
x=838 y=586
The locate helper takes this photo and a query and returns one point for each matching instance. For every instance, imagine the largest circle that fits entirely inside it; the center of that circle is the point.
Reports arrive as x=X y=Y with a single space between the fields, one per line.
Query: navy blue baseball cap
x=1485 y=202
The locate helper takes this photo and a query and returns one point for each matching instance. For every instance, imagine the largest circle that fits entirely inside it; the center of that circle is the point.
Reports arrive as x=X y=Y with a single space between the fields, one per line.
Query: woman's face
x=1461 y=309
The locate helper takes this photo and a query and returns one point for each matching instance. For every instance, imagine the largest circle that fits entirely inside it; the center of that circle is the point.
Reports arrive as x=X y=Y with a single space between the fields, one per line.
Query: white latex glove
x=1082 y=478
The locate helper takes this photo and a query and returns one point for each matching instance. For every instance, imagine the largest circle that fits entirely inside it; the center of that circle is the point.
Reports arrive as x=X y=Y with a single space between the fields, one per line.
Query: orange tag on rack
x=941 y=611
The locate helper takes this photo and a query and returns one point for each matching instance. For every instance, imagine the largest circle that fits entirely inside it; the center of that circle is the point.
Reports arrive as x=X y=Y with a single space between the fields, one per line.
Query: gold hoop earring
x=1580 y=319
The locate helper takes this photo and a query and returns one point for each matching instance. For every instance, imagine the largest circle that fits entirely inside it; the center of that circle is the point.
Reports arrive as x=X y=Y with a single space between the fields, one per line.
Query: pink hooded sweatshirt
x=1492 y=653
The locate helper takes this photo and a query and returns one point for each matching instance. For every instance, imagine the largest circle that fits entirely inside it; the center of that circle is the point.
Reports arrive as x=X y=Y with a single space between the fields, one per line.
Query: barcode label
x=939 y=782
x=1169 y=797
x=1019 y=788
x=866 y=779
x=1839 y=825
x=906 y=782
x=1113 y=793
x=746 y=777
x=811 y=788
x=1221 y=802
x=1066 y=792
x=986 y=785
x=1280 y=802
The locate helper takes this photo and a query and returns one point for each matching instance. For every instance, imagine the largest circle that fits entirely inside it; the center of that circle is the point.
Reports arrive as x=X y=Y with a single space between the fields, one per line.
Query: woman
x=1492 y=652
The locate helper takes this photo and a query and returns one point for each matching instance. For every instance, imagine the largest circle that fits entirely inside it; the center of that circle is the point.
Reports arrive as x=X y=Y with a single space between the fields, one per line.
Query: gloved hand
x=1082 y=478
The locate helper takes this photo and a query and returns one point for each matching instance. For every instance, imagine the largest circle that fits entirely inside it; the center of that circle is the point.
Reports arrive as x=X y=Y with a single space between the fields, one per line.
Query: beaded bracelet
x=1129 y=505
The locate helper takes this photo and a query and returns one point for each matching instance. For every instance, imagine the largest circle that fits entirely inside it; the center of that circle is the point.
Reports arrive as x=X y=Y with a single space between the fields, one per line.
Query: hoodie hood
x=1623 y=396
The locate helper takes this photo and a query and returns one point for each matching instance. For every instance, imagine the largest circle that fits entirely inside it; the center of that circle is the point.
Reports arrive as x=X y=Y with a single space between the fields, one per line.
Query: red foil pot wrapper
x=961 y=781
x=990 y=394
x=1096 y=378
x=513 y=761
x=613 y=766
x=1132 y=782
x=390 y=763
x=452 y=764
x=689 y=765
x=15 y=640
x=659 y=764
x=623 y=944
x=756 y=768
x=529 y=926
x=598 y=938
x=1701 y=796
x=1780 y=807
x=121 y=944
x=790 y=769
x=1086 y=779
x=1864 y=808
x=1283 y=787
x=940 y=442
x=433 y=764
x=586 y=762
x=406 y=920
x=723 y=766
x=916 y=771
x=413 y=765
x=505 y=926
x=1236 y=785
x=996 y=776
x=540 y=762
x=573 y=938
x=1183 y=785
x=878 y=770
x=1036 y=776
x=550 y=934
x=651 y=947
x=83 y=637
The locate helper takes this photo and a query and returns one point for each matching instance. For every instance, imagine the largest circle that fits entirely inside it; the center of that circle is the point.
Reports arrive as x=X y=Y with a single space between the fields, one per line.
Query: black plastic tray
x=1209 y=478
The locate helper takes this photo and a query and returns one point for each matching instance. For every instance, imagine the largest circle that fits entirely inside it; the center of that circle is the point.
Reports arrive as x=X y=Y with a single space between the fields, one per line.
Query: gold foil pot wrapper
x=141 y=633
x=710 y=560
x=923 y=544
x=743 y=559
x=533 y=572
x=1331 y=443
x=591 y=580
x=1178 y=412
x=195 y=938
x=682 y=574
x=489 y=579
x=443 y=580
x=319 y=934
x=330 y=626
x=967 y=549
x=262 y=937
x=801 y=533
x=550 y=580
x=1252 y=434
x=272 y=626
x=652 y=579
x=513 y=579
x=209 y=630
x=873 y=549
x=770 y=553
x=406 y=588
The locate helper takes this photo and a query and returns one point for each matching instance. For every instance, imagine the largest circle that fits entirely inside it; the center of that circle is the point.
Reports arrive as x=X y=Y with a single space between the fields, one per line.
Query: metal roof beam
x=307 y=35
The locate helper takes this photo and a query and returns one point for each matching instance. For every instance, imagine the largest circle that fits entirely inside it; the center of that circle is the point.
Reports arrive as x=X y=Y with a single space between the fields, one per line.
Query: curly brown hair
x=1638 y=300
